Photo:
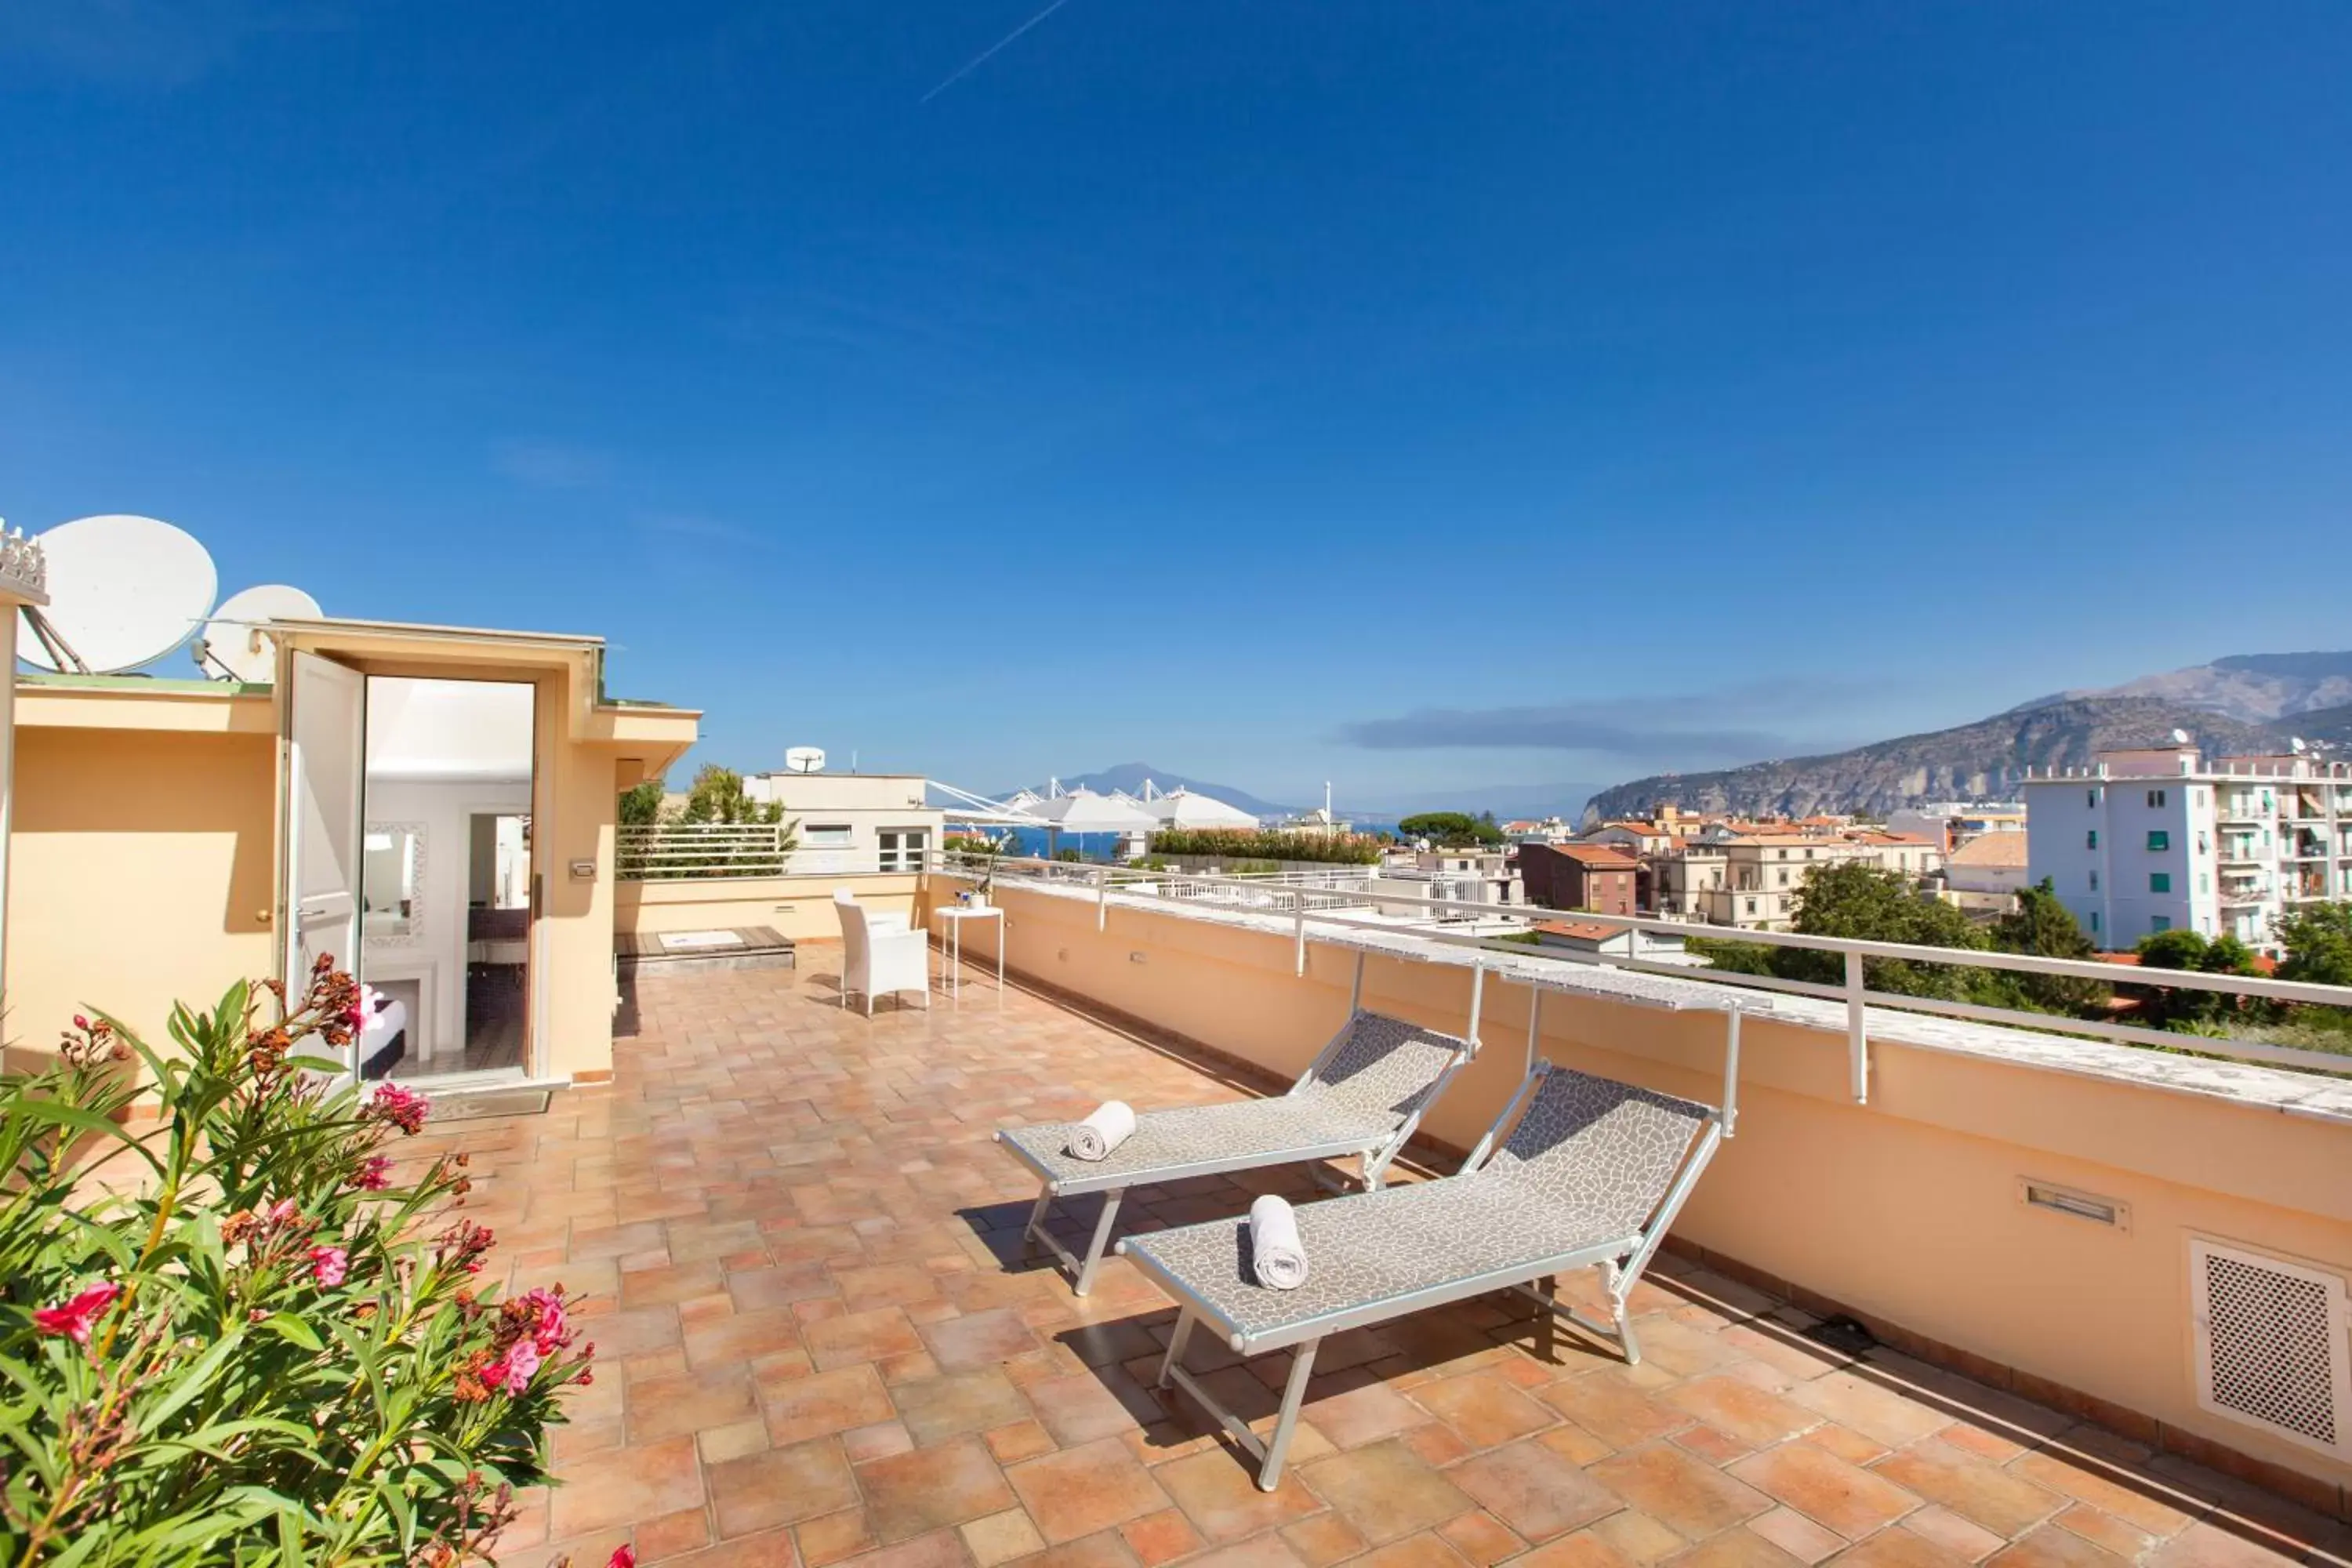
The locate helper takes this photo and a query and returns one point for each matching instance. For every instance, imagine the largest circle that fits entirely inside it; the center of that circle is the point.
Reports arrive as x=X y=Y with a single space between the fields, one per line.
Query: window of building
x=2156 y=798
x=1784 y=876
x=833 y=836
x=2160 y=882
x=2095 y=882
x=2094 y=921
x=2092 y=841
x=902 y=848
x=2093 y=800
x=1751 y=906
x=2159 y=840
x=2159 y=923
x=2204 y=883
x=2202 y=844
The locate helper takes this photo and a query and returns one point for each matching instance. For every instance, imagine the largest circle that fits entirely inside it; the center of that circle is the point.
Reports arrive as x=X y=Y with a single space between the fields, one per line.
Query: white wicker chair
x=879 y=954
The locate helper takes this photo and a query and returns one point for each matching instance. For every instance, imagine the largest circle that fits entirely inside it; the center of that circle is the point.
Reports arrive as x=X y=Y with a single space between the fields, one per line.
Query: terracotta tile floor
x=821 y=1346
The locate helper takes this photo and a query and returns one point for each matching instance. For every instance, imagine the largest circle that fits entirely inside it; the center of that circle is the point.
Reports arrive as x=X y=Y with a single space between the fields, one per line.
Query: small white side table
x=955 y=916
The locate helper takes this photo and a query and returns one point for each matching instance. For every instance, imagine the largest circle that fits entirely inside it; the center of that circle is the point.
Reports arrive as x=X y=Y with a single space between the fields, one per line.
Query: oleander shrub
x=251 y=1331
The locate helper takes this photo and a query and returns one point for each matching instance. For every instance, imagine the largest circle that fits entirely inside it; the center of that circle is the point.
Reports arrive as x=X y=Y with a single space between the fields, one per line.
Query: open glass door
x=326 y=766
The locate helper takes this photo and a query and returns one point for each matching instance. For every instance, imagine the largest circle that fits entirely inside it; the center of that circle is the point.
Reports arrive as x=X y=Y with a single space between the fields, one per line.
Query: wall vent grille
x=2271 y=1345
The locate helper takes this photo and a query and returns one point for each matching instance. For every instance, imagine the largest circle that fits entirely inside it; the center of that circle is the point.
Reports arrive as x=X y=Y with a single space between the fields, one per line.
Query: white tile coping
x=2291 y=1093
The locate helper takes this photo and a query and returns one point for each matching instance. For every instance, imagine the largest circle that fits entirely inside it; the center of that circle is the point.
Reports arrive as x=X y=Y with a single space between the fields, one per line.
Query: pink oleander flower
x=622 y=1558
x=403 y=1107
x=72 y=1319
x=329 y=1265
x=281 y=1213
x=552 y=1329
x=375 y=1174
x=514 y=1373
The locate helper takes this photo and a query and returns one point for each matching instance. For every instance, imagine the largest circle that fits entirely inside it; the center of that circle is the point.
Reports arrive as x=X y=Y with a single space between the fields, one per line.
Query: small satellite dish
x=234 y=643
x=805 y=760
x=124 y=592
x=2181 y=737
x=2298 y=744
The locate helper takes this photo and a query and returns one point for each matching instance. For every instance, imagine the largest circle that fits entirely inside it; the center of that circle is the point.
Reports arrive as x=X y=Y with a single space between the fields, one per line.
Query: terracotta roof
x=1582 y=931
x=2006 y=849
x=1598 y=856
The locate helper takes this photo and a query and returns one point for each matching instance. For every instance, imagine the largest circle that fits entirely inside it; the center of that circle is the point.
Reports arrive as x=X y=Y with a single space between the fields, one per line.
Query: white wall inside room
x=440 y=754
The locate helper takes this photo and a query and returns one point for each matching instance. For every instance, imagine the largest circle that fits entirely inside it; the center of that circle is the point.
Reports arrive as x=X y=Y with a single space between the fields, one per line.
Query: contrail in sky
x=990 y=52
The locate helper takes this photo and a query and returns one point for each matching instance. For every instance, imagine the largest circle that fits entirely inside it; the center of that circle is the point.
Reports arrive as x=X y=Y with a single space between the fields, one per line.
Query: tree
x=1451 y=829
x=1861 y=902
x=641 y=805
x=2176 y=1007
x=2042 y=926
x=2318 y=942
x=716 y=795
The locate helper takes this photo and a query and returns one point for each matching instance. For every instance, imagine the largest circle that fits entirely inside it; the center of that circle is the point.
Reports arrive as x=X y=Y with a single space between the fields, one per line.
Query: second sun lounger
x=1362 y=1094
x=1591 y=1176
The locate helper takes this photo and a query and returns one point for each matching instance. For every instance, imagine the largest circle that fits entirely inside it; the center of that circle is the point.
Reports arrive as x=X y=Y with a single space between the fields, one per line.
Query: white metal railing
x=1326 y=906
x=682 y=851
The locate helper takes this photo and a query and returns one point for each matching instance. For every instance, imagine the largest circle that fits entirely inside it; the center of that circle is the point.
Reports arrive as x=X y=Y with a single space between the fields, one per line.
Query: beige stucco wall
x=800 y=908
x=145 y=859
x=141 y=872
x=1906 y=1207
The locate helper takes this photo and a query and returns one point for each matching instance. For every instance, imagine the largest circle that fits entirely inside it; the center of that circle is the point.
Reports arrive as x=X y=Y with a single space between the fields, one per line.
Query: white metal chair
x=879 y=954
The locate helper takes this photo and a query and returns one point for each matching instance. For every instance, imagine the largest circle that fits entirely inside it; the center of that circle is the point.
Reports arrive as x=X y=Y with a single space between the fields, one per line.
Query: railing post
x=1102 y=898
x=1857 y=1040
x=1730 y=1070
x=1299 y=923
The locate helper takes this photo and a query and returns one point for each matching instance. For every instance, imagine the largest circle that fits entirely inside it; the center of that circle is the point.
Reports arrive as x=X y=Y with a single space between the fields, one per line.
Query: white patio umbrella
x=1084 y=811
x=1182 y=808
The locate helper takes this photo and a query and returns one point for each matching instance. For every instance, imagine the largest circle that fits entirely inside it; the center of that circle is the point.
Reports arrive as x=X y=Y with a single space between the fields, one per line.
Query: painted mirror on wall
x=392 y=887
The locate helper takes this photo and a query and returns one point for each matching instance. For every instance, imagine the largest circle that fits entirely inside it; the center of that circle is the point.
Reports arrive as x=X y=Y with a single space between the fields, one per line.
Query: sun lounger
x=1591 y=1176
x=1362 y=1095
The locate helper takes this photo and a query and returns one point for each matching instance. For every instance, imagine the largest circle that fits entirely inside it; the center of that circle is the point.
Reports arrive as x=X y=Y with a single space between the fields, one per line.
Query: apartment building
x=847 y=823
x=1580 y=876
x=1751 y=880
x=2155 y=840
x=1953 y=824
x=1985 y=875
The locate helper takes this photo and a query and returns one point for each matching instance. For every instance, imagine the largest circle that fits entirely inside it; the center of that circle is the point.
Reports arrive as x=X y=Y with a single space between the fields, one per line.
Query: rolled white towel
x=1111 y=1125
x=1276 y=1253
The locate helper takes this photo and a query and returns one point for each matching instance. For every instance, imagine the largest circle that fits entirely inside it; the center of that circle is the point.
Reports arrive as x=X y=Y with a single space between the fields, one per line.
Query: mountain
x=1129 y=776
x=2254 y=687
x=1983 y=761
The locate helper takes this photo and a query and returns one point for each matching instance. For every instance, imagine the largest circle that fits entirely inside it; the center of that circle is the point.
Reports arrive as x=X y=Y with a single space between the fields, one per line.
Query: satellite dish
x=232 y=641
x=2181 y=737
x=805 y=760
x=124 y=592
x=2298 y=744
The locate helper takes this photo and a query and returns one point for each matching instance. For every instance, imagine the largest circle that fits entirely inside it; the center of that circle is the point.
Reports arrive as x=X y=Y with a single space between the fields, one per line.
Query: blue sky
x=1275 y=392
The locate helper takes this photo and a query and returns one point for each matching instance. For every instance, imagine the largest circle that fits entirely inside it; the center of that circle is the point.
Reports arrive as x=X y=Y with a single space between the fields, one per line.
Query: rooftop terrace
x=824 y=1347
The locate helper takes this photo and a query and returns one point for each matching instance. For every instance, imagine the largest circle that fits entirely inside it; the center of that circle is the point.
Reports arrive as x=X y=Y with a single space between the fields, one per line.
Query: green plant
x=2176 y=1007
x=1260 y=844
x=641 y=803
x=271 y=1344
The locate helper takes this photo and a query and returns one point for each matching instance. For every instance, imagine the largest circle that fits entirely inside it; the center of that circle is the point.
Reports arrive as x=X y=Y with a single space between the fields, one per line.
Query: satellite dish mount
x=805 y=760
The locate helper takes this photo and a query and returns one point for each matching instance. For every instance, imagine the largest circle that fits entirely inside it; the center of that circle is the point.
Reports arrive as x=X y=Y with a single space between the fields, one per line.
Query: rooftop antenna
x=233 y=645
x=805 y=760
x=124 y=592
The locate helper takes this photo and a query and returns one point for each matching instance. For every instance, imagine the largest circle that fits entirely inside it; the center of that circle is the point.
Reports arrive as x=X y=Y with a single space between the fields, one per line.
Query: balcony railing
x=1313 y=912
